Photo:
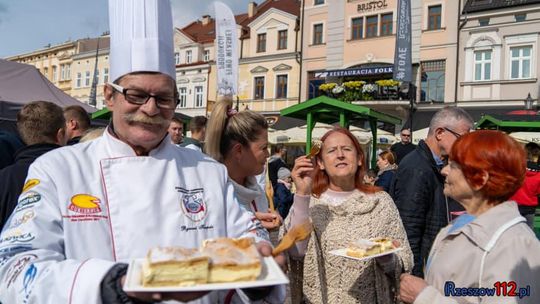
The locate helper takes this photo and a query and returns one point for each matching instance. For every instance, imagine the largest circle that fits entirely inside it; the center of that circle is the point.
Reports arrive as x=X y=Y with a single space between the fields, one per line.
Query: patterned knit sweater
x=332 y=279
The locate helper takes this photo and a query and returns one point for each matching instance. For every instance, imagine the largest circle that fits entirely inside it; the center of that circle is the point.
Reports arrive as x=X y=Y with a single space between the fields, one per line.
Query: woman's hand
x=302 y=175
x=410 y=287
x=269 y=220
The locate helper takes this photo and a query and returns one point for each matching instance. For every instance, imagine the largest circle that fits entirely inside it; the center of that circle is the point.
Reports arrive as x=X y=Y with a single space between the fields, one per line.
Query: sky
x=28 y=25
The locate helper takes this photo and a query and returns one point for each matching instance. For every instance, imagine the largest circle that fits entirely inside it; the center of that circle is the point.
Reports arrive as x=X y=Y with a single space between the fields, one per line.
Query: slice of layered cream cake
x=174 y=266
x=232 y=260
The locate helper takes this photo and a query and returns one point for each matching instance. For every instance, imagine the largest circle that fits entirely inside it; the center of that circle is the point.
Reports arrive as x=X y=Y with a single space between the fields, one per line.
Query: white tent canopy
x=419 y=134
x=526 y=137
x=297 y=135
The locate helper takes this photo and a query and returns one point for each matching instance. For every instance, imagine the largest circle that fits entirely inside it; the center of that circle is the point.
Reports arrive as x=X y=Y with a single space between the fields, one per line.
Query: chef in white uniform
x=87 y=209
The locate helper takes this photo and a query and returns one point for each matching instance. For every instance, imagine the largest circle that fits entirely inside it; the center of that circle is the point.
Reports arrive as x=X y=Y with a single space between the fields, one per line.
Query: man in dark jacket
x=405 y=146
x=9 y=144
x=275 y=162
x=42 y=127
x=77 y=123
x=418 y=185
x=197 y=127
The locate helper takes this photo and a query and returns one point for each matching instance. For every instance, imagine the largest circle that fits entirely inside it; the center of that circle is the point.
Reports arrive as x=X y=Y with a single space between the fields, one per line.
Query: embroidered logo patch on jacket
x=192 y=203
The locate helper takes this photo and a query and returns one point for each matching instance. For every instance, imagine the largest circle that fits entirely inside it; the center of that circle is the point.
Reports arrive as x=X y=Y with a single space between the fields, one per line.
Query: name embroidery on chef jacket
x=84 y=208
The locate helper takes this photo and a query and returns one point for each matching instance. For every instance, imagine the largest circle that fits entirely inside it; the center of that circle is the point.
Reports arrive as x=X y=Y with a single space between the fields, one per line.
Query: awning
x=510 y=123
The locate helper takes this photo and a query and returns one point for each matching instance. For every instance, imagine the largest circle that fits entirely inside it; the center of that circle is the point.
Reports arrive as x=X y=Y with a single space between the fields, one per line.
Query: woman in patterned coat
x=343 y=209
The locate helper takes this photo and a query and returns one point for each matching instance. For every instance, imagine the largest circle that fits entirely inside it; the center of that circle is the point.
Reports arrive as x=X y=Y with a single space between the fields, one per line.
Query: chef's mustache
x=141 y=118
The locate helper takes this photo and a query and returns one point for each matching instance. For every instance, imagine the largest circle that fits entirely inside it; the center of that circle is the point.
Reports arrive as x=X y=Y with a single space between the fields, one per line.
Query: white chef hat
x=141 y=37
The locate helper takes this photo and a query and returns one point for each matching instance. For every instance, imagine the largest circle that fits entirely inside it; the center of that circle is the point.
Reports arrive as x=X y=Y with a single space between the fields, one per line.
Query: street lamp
x=528 y=102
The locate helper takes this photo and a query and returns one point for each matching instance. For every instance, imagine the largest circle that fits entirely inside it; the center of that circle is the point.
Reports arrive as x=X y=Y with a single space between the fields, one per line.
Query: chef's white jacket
x=88 y=206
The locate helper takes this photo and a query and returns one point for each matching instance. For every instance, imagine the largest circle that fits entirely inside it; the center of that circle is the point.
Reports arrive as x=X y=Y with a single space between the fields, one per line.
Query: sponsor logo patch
x=28 y=201
x=17 y=267
x=27 y=216
x=192 y=204
x=31 y=183
x=16 y=236
x=87 y=207
x=85 y=204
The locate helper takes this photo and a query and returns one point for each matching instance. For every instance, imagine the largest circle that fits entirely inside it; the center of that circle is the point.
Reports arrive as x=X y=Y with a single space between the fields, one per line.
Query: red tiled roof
x=206 y=33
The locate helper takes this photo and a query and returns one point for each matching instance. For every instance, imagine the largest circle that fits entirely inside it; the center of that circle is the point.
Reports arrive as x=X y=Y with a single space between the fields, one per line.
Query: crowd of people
x=78 y=204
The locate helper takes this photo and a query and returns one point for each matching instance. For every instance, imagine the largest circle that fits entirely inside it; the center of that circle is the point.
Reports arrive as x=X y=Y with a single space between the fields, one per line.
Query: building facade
x=499 y=56
x=54 y=62
x=194 y=55
x=269 y=64
x=84 y=70
x=354 y=40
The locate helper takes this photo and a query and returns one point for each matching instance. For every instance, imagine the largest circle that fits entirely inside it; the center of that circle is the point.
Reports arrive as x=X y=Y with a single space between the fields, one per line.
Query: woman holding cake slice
x=330 y=191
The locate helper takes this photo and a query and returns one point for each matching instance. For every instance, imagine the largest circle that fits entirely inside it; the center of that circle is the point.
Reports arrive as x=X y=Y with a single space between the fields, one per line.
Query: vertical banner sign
x=226 y=50
x=402 y=55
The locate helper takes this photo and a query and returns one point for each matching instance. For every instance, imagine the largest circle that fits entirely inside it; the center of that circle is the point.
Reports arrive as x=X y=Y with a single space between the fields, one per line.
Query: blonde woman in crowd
x=343 y=209
x=239 y=140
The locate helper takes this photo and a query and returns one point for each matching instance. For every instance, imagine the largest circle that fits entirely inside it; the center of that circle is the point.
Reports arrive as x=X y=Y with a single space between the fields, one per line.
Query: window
x=177 y=58
x=433 y=77
x=318 y=2
x=371 y=26
x=434 y=17
x=357 y=28
x=261 y=43
x=317 y=34
x=62 y=72
x=520 y=62
x=198 y=96
x=79 y=80
x=46 y=72
x=188 y=56
x=281 y=86
x=483 y=21
x=105 y=75
x=87 y=79
x=259 y=88
x=282 y=40
x=54 y=73
x=182 y=97
x=482 y=65
x=68 y=71
x=520 y=17
x=386 y=24
x=206 y=55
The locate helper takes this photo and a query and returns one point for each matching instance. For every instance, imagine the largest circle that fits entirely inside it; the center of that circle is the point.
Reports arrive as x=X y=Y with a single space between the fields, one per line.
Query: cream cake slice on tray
x=174 y=266
x=232 y=260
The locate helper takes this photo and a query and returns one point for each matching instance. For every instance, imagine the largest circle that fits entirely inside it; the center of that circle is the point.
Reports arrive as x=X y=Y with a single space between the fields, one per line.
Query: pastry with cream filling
x=232 y=260
x=363 y=248
x=386 y=243
x=174 y=266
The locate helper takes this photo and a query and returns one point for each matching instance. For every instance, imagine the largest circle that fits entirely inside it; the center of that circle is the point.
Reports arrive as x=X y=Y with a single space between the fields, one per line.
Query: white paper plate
x=343 y=253
x=270 y=275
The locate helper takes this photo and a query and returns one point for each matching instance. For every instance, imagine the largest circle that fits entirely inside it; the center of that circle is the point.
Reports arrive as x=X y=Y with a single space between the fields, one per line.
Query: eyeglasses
x=139 y=97
x=406 y=135
x=456 y=134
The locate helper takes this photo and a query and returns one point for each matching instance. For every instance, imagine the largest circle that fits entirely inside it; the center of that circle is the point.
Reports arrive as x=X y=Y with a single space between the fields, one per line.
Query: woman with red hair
x=330 y=190
x=489 y=248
